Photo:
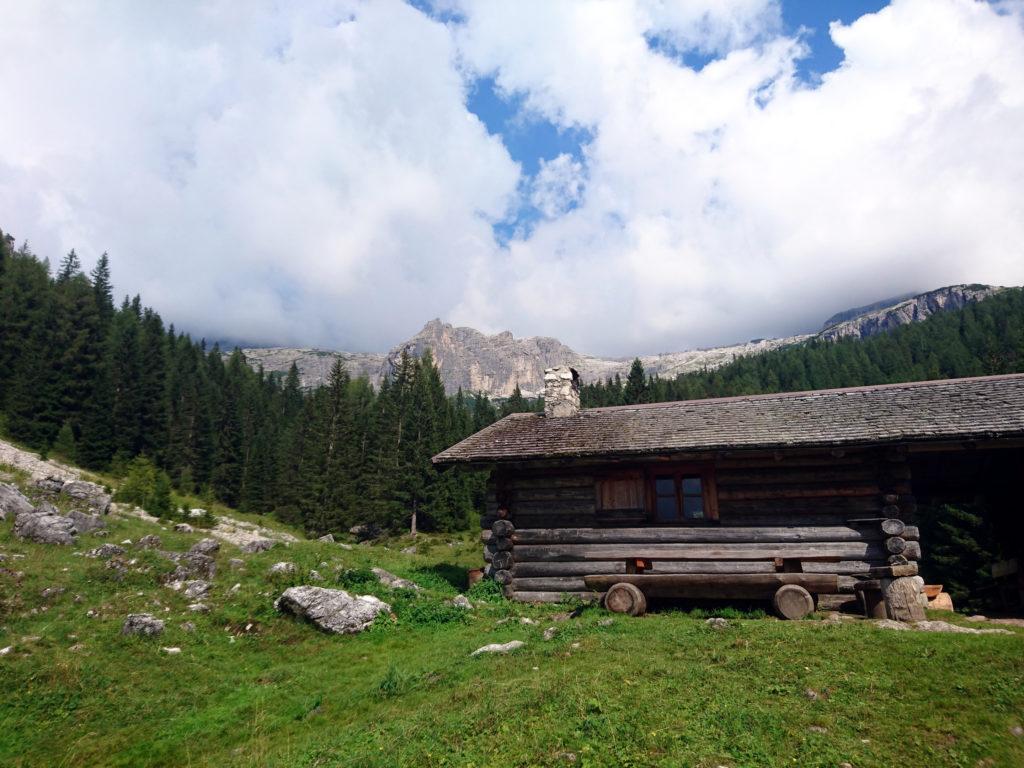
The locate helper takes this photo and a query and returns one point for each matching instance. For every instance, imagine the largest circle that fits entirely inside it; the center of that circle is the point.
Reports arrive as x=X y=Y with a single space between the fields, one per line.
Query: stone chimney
x=561 y=392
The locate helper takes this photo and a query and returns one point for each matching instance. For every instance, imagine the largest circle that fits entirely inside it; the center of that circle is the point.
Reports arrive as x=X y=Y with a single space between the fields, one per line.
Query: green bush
x=485 y=589
x=146 y=486
x=64 y=447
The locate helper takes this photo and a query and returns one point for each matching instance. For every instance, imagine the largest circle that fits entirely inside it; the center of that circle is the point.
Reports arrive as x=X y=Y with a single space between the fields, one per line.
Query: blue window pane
x=691 y=486
x=693 y=507
x=666 y=508
x=665 y=486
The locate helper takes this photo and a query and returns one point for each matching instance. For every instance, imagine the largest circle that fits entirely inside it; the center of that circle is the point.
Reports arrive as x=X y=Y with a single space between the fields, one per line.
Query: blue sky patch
x=814 y=16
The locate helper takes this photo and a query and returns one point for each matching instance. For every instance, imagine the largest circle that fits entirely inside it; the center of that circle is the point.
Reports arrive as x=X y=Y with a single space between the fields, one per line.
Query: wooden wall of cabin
x=839 y=498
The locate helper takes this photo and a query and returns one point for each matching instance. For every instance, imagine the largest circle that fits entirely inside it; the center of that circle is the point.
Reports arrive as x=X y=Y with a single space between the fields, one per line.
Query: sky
x=629 y=176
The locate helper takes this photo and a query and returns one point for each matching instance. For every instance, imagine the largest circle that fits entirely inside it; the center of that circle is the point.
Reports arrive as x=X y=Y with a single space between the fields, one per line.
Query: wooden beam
x=735 y=586
x=853 y=550
x=695 y=534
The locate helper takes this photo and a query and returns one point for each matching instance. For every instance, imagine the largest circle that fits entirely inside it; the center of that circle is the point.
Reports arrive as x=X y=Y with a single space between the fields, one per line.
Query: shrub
x=64 y=446
x=485 y=589
x=146 y=486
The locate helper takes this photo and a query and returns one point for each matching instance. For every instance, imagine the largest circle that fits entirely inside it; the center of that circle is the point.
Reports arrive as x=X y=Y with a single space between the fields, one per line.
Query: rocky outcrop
x=909 y=310
x=142 y=624
x=93 y=495
x=495 y=364
x=389 y=579
x=332 y=610
x=12 y=501
x=45 y=525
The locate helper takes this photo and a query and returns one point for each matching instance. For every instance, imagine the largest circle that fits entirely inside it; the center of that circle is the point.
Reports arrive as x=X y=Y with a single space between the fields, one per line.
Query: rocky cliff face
x=910 y=310
x=477 y=362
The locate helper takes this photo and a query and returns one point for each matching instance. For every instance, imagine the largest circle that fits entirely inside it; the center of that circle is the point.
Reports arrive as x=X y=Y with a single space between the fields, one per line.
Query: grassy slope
x=663 y=690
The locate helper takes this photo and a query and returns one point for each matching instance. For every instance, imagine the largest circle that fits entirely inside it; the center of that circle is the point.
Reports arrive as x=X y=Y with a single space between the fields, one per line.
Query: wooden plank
x=696 y=534
x=550 y=584
x=589 y=567
x=806 y=492
x=565 y=480
x=555 y=597
x=731 y=586
x=562 y=507
x=852 y=550
x=836 y=602
x=843 y=567
x=583 y=493
x=793 y=460
x=790 y=475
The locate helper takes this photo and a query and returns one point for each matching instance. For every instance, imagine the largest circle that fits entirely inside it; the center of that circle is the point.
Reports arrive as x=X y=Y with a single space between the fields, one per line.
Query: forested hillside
x=981 y=339
x=99 y=385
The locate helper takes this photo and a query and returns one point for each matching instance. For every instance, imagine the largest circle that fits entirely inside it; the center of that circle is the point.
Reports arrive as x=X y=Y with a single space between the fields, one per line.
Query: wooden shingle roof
x=951 y=409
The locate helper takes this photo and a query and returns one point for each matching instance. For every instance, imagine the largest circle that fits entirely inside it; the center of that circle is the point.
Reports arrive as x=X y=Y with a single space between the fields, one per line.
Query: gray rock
x=51 y=484
x=86 y=522
x=142 y=624
x=461 y=601
x=93 y=495
x=105 y=551
x=13 y=501
x=258 y=545
x=150 y=541
x=499 y=647
x=194 y=513
x=281 y=568
x=605 y=622
x=327 y=537
x=196 y=589
x=199 y=608
x=45 y=525
x=191 y=565
x=183 y=528
x=550 y=632
x=717 y=623
x=315 y=576
x=205 y=547
x=389 y=579
x=409 y=551
x=938 y=626
x=188 y=626
x=333 y=610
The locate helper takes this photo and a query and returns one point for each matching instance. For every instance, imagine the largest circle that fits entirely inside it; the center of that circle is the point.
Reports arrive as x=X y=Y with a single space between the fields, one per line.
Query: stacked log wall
x=841 y=499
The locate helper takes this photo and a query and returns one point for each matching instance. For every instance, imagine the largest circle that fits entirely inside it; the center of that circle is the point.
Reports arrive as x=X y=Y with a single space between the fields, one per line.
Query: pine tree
x=636 y=384
x=64 y=446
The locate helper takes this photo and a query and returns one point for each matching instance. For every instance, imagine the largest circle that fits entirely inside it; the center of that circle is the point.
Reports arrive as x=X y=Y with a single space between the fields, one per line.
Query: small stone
x=183 y=528
x=409 y=551
x=461 y=601
x=142 y=624
x=327 y=537
x=389 y=579
x=717 y=623
x=150 y=541
x=314 y=575
x=549 y=633
x=194 y=513
x=196 y=589
x=172 y=651
x=527 y=621
x=282 y=568
x=258 y=545
x=235 y=588
x=127 y=542
x=605 y=622
x=817 y=729
x=199 y=608
x=575 y=645
x=811 y=695
x=1017 y=731
x=188 y=626
x=846 y=765
x=205 y=547
x=77 y=647
x=105 y=551
x=5 y=651
x=499 y=647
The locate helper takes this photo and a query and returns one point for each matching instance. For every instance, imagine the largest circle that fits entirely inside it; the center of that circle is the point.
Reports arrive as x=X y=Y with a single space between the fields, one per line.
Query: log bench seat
x=792 y=593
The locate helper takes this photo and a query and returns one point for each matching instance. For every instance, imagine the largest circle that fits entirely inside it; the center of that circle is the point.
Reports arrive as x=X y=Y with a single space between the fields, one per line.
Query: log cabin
x=806 y=499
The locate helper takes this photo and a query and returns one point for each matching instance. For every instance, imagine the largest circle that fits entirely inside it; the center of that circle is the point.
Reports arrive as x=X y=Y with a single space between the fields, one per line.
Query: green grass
x=252 y=688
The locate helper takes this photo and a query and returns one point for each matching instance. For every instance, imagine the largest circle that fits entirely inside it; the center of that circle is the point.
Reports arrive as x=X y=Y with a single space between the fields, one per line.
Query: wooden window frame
x=709 y=493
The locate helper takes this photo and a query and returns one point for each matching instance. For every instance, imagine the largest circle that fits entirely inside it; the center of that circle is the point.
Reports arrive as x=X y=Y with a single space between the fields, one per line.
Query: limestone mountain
x=495 y=364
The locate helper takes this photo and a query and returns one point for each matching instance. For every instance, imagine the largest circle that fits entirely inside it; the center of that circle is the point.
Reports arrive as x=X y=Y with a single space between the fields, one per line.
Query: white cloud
x=310 y=173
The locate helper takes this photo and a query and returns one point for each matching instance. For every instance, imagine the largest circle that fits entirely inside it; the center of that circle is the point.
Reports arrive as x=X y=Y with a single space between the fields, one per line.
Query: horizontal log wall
x=819 y=514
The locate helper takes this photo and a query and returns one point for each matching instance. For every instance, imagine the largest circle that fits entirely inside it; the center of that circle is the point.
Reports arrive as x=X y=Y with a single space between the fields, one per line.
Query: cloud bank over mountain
x=317 y=175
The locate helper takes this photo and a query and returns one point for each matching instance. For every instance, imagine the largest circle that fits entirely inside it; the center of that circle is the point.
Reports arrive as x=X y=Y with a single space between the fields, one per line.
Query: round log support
x=625 y=598
x=895 y=545
x=893 y=527
x=793 y=602
x=502 y=561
